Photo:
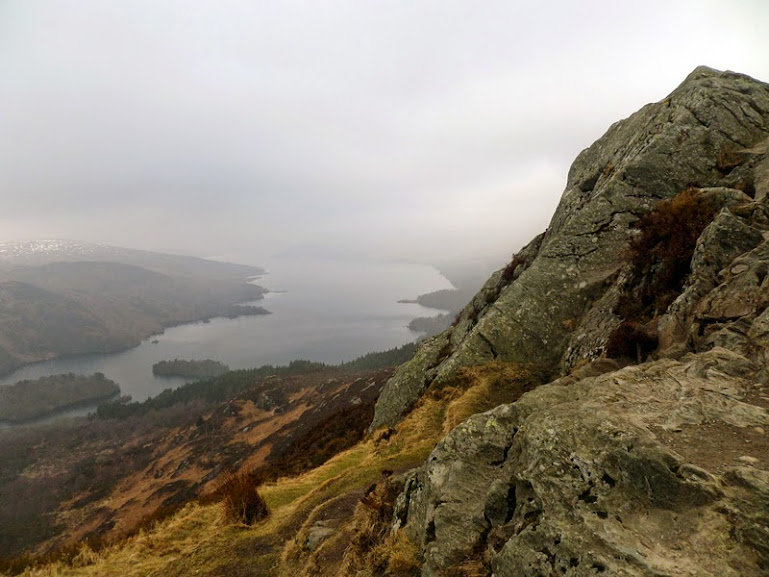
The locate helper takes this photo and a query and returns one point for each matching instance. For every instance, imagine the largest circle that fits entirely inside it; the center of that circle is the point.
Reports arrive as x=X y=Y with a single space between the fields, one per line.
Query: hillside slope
x=100 y=479
x=60 y=306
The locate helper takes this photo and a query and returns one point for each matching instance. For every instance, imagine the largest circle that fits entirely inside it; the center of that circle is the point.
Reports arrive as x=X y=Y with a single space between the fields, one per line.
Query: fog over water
x=323 y=310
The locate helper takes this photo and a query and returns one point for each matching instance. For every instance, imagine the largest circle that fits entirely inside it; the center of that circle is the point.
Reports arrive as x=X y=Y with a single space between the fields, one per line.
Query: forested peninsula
x=32 y=399
x=193 y=369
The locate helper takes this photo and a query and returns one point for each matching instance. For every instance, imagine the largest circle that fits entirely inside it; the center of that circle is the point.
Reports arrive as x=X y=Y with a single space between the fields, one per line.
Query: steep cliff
x=555 y=302
x=657 y=468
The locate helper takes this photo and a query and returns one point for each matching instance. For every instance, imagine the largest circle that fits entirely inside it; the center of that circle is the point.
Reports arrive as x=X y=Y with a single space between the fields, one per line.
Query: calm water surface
x=326 y=311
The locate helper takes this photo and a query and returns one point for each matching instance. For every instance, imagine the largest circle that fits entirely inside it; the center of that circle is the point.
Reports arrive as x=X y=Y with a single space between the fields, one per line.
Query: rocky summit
x=645 y=301
x=554 y=303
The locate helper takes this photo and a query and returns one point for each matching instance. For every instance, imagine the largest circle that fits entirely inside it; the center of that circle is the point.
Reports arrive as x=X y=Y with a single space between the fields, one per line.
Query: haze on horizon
x=424 y=130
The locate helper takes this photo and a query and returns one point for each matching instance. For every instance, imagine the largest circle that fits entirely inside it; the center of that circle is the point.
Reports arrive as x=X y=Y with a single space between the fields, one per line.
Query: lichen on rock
x=604 y=475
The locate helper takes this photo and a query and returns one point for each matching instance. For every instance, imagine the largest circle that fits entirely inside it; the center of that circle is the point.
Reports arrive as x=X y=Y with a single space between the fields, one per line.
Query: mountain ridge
x=650 y=463
x=46 y=251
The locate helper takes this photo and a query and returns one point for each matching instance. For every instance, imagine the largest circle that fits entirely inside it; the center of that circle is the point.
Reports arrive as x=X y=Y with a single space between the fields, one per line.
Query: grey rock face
x=556 y=306
x=656 y=469
x=316 y=534
x=606 y=475
x=410 y=381
x=726 y=315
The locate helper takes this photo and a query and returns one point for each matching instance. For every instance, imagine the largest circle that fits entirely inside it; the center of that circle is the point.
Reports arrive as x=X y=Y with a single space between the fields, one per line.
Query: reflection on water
x=331 y=311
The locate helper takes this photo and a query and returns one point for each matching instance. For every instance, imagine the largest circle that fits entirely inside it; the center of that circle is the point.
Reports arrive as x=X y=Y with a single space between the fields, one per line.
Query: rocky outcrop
x=656 y=469
x=659 y=468
x=555 y=302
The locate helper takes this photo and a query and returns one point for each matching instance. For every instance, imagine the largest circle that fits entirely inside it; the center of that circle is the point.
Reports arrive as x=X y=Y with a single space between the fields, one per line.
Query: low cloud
x=399 y=129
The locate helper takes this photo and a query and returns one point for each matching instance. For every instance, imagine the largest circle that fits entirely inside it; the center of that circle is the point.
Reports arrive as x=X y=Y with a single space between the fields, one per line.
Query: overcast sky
x=404 y=129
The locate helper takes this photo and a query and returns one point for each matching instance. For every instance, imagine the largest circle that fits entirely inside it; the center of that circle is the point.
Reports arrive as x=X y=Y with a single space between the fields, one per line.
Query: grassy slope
x=198 y=541
x=102 y=479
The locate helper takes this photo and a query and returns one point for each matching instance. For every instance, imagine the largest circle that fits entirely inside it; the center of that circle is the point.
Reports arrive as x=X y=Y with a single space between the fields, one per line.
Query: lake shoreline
x=60 y=412
x=324 y=311
x=248 y=312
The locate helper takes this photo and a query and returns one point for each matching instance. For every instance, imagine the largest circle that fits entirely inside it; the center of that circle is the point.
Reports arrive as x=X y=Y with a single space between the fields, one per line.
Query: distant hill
x=39 y=252
x=52 y=304
x=451 y=300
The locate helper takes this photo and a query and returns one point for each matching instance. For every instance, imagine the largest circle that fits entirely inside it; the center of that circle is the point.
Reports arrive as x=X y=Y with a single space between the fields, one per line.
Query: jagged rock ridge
x=556 y=305
x=661 y=468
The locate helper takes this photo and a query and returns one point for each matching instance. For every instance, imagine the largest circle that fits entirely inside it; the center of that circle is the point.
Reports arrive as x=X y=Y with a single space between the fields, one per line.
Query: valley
x=324 y=311
x=599 y=406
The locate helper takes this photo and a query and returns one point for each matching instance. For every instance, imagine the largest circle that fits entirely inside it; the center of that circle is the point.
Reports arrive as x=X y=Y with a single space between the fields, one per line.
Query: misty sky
x=404 y=129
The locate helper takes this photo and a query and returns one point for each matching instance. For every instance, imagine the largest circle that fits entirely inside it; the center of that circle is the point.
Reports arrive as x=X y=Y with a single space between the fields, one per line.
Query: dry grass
x=199 y=539
x=373 y=548
x=660 y=255
x=241 y=499
x=470 y=568
x=402 y=554
x=488 y=386
x=180 y=538
x=395 y=556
